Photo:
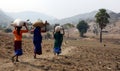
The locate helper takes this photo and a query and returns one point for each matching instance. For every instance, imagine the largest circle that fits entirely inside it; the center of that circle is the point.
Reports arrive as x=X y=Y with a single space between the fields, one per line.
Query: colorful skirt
x=37 y=47
x=18 y=48
x=57 y=50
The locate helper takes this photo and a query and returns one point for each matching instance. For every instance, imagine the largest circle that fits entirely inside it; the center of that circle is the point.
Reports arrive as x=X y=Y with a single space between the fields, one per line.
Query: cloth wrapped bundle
x=58 y=28
x=38 y=23
x=18 y=22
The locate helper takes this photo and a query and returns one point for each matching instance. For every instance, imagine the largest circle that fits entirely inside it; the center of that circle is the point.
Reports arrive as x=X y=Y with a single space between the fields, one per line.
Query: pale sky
x=59 y=8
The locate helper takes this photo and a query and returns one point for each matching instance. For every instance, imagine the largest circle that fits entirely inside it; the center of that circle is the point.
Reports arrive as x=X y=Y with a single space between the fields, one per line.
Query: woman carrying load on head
x=37 y=37
x=58 y=36
x=18 y=39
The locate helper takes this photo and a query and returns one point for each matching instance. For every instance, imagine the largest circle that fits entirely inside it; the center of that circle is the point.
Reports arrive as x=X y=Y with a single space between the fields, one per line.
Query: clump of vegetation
x=82 y=27
x=8 y=30
x=48 y=36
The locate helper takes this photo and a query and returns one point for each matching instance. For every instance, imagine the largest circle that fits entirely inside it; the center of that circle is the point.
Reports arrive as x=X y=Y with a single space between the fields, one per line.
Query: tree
x=102 y=19
x=82 y=27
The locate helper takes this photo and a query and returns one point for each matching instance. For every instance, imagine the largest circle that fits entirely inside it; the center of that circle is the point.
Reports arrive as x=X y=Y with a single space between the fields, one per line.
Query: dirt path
x=30 y=59
x=65 y=51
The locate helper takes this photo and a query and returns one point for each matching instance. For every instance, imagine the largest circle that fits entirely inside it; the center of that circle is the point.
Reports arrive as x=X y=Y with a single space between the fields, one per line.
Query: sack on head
x=18 y=22
x=58 y=28
x=38 y=23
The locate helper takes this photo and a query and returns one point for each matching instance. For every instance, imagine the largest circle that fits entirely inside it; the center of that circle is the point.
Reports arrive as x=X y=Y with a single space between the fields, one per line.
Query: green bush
x=82 y=27
x=8 y=30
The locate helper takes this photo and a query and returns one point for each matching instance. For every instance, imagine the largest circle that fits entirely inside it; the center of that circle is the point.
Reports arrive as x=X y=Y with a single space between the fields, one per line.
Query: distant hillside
x=119 y=15
x=89 y=17
x=33 y=16
x=4 y=19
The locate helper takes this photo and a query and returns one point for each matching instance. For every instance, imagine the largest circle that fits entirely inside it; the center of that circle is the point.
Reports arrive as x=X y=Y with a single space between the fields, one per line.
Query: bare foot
x=17 y=60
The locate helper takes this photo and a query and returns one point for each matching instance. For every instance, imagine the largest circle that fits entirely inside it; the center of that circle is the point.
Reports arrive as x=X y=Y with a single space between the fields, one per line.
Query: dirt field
x=83 y=54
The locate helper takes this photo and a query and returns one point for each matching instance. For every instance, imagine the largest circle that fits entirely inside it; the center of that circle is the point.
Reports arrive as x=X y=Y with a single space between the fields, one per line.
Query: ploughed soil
x=83 y=54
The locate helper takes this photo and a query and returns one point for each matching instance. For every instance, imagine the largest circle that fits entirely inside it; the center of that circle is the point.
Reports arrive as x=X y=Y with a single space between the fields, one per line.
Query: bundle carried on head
x=18 y=22
x=58 y=28
x=38 y=23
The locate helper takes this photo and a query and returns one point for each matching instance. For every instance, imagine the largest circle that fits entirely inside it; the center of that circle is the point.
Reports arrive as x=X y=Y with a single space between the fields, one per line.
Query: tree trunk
x=81 y=34
x=101 y=35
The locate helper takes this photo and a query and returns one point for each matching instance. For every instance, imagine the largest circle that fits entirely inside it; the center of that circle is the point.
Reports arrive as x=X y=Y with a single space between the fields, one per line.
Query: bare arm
x=31 y=30
x=25 y=26
x=63 y=31
x=44 y=29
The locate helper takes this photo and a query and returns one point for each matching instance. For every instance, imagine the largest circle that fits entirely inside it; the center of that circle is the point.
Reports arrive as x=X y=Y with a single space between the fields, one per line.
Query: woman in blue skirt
x=58 y=36
x=37 y=39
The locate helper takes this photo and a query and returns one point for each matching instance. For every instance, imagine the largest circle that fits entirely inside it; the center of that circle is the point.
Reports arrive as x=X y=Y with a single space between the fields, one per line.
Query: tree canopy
x=82 y=27
x=102 y=18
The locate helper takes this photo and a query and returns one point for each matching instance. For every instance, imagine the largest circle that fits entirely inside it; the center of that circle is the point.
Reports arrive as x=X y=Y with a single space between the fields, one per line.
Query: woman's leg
x=18 y=49
x=37 y=48
x=34 y=55
x=13 y=58
x=17 y=58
